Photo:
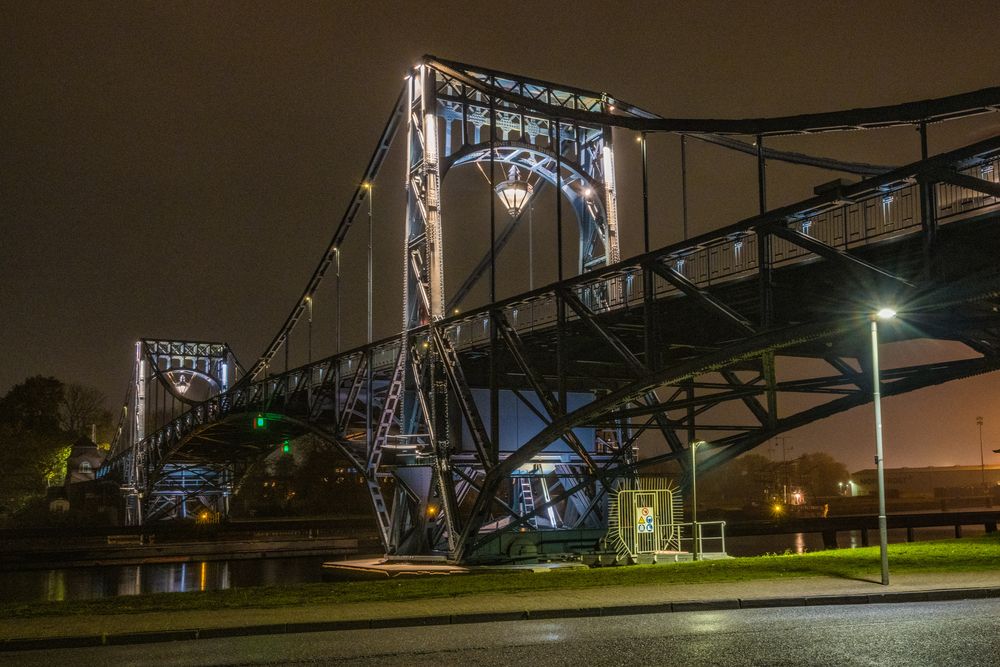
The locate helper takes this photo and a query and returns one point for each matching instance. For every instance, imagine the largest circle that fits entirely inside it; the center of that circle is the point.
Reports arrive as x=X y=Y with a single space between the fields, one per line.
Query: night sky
x=176 y=169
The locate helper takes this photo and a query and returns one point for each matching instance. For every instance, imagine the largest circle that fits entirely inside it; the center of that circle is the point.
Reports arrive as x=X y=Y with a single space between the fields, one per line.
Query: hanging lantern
x=514 y=192
x=182 y=384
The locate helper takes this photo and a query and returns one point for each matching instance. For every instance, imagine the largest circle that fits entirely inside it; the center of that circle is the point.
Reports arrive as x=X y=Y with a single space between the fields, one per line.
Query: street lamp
x=882 y=314
x=367 y=186
x=695 y=532
x=982 y=460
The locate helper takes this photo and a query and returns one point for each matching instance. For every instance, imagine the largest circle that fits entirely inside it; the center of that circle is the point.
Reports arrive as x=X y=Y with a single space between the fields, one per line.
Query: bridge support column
x=928 y=210
x=649 y=330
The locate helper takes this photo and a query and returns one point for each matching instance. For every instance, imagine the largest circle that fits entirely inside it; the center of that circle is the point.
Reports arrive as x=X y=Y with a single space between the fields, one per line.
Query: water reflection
x=86 y=583
x=797 y=543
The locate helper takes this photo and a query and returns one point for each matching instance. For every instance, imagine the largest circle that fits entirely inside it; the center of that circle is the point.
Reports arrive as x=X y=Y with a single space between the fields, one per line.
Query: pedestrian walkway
x=88 y=630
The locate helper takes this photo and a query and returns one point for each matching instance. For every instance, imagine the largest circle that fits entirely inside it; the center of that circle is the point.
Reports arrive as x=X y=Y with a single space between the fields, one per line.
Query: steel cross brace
x=537 y=383
x=636 y=366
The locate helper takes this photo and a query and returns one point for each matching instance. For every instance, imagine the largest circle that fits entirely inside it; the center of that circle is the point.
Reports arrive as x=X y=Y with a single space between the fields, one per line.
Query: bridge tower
x=450 y=433
x=168 y=378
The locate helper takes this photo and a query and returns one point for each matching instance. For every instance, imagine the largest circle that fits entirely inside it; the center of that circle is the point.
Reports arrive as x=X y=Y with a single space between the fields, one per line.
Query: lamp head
x=885 y=313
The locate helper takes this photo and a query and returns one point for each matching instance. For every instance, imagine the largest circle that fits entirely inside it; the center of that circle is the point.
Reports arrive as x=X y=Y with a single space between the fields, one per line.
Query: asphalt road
x=942 y=633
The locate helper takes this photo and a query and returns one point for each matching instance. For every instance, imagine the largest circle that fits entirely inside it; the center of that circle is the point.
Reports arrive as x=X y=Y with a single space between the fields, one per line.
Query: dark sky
x=176 y=169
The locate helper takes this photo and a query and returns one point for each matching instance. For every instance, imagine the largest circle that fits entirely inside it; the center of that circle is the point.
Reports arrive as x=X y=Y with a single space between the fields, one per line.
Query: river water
x=86 y=583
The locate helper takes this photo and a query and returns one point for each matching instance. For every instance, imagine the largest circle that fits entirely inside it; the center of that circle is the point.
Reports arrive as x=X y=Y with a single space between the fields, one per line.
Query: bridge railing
x=954 y=200
x=888 y=209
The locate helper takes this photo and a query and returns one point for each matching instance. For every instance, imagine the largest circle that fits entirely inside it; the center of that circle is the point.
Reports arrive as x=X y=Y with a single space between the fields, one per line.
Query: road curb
x=680 y=606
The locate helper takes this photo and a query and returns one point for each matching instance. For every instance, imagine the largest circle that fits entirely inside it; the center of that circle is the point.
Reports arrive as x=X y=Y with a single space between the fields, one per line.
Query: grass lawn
x=961 y=555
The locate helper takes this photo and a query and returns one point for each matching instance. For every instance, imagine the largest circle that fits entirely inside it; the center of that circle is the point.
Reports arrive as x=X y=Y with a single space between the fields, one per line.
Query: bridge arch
x=585 y=193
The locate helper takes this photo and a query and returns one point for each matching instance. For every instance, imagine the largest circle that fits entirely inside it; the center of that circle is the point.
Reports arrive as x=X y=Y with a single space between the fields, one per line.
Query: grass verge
x=961 y=555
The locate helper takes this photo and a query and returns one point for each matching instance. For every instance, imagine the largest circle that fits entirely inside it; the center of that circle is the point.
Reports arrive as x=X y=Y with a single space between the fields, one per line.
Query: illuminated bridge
x=499 y=431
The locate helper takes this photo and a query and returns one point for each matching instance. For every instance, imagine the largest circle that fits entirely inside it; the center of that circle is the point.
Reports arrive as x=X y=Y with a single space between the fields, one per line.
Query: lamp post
x=982 y=460
x=882 y=314
x=371 y=240
x=309 y=351
x=695 y=532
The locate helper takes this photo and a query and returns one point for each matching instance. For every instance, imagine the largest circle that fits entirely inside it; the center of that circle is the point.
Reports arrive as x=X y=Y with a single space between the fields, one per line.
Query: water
x=798 y=543
x=88 y=583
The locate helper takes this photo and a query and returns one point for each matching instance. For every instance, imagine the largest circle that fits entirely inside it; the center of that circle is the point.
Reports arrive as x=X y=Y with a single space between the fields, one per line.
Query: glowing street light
x=881 y=314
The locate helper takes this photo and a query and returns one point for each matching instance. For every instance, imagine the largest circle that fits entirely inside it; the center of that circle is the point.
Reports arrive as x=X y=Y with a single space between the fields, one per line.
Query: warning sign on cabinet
x=644 y=519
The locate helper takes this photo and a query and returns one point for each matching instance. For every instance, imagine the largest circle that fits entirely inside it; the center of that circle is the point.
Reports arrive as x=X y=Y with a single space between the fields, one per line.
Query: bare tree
x=82 y=406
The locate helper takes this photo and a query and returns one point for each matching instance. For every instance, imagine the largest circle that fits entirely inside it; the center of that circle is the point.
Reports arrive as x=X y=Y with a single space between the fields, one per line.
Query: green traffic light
x=260 y=422
x=286 y=447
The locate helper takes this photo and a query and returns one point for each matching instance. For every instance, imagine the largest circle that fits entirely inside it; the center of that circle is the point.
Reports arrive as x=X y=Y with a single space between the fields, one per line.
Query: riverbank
x=945 y=557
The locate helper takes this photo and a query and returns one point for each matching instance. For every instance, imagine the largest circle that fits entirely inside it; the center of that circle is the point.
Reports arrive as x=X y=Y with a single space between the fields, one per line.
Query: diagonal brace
x=709 y=302
x=829 y=252
x=965 y=181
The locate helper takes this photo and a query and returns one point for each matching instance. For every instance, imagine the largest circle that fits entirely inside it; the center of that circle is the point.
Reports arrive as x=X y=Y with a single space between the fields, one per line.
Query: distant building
x=84 y=460
x=934 y=482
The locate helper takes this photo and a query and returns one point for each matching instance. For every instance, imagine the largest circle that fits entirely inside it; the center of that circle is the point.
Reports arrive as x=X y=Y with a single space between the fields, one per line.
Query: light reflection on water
x=87 y=583
x=797 y=543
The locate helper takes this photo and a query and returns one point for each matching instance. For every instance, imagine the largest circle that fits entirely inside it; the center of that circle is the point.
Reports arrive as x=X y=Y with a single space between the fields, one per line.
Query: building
x=934 y=482
x=84 y=460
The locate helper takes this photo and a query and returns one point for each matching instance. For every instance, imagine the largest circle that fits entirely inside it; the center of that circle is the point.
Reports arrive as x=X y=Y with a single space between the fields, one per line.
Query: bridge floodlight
x=885 y=313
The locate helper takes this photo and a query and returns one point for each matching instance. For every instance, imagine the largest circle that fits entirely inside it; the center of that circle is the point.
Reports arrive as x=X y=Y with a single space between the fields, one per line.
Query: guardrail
x=716 y=541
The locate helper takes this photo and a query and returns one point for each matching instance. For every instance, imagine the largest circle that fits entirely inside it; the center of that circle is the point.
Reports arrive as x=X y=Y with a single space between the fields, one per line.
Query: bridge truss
x=496 y=434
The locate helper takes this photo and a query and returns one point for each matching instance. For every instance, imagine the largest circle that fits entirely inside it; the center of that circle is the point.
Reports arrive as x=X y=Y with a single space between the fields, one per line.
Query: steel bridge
x=498 y=432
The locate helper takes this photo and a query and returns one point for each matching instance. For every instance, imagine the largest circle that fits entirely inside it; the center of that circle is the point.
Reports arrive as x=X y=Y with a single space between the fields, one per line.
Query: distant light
x=778 y=508
x=366 y=185
x=885 y=314
x=589 y=192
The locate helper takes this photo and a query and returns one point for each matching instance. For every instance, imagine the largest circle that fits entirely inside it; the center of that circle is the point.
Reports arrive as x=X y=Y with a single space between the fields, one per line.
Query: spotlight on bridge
x=885 y=313
x=514 y=192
